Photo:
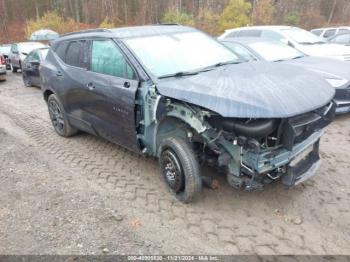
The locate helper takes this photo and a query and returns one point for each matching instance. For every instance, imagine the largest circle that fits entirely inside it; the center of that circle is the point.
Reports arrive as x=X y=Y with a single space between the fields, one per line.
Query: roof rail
x=98 y=30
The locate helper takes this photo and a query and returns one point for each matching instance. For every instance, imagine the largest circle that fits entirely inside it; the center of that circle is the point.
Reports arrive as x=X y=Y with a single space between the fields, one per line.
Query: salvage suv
x=175 y=93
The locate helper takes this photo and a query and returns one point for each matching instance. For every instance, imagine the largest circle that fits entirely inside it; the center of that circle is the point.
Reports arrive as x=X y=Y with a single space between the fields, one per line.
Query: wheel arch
x=171 y=126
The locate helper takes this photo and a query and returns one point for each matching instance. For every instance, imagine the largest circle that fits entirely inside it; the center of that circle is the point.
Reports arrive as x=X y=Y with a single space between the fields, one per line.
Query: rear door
x=31 y=67
x=71 y=81
x=112 y=84
x=15 y=55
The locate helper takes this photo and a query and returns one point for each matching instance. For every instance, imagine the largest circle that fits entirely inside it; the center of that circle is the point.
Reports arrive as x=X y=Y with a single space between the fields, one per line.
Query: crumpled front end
x=252 y=152
x=278 y=149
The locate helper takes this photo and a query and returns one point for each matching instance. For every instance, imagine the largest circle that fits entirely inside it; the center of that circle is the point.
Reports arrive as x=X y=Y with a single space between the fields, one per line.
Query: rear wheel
x=14 y=69
x=58 y=117
x=26 y=80
x=180 y=169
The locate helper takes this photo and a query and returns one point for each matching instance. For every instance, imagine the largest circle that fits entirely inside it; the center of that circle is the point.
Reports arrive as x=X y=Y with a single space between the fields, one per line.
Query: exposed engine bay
x=252 y=152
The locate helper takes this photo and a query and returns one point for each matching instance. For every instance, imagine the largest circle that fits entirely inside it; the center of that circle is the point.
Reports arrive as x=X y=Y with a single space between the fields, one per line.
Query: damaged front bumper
x=295 y=160
x=293 y=167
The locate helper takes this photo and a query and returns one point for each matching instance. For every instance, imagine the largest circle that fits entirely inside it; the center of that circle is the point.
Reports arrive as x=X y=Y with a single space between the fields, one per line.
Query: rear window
x=250 y=33
x=233 y=34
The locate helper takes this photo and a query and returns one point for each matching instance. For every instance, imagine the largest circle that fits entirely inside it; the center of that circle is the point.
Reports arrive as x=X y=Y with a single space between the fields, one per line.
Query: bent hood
x=252 y=90
x=326 y=67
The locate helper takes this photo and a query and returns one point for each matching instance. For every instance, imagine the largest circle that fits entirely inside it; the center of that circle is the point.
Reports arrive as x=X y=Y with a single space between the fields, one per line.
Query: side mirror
x=25 y=53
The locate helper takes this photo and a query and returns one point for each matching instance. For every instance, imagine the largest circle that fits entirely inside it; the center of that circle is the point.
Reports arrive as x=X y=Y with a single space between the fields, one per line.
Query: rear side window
x=73 y=54
x=344 y=39
x=106 y=58
x=77 y=54
x=329 y=33
x=343 y=31
x=272 y=35
x=61 y=50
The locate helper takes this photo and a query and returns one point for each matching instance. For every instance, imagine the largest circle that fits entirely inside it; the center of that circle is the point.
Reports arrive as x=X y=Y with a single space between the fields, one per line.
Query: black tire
x=14 y=69
x=26 y=81
x=180 y=169
x=59 y=118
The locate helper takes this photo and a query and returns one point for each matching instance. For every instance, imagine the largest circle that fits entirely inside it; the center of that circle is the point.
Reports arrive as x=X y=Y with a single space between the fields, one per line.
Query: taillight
x=2 y=60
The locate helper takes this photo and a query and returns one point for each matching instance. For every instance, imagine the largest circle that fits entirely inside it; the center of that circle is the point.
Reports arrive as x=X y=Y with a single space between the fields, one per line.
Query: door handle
x=90 y=86
x=59 y=74
x=126 y=84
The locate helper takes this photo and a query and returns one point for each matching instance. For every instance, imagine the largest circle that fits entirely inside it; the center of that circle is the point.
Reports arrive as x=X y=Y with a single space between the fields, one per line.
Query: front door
x=112 y=85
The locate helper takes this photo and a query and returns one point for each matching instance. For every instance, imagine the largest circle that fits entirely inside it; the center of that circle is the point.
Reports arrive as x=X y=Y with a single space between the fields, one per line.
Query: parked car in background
x=2 y=68
x=19 y=51
x=5 y=50
x=30 y=67
x=341 y=39
x=175 y=93
x=298 y=38
x=335 y=72
x=328 y=32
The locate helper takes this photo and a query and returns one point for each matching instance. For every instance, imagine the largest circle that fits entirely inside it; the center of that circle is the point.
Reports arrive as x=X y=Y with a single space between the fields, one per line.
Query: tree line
x=20 y=17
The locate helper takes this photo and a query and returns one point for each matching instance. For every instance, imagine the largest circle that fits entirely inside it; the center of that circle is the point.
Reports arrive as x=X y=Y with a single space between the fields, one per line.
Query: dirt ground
x=84 y=195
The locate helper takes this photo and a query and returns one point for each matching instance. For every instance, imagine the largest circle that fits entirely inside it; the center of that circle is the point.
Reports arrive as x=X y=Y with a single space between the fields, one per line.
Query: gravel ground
x=84 y=195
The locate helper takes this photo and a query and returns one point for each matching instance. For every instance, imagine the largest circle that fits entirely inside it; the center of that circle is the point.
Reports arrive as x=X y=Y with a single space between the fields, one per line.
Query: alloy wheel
x=56 y=116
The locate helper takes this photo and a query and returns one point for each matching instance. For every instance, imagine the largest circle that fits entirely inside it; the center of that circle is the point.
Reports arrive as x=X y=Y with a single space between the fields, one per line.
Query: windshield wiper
x=226 y=63
x=206 y=69
x=298 y=57
x=178 y=74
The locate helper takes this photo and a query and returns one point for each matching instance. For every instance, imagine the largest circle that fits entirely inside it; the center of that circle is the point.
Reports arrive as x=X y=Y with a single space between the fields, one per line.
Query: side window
x=329 y=33
x=106 y=58
x=240 y=51
x=61 y=50
x=343 y=31
x=233 y=34
x=14 y=49
x=73 y=54
x=272 y=35
x=345 y=39
x=250 y=33
x=77 y=54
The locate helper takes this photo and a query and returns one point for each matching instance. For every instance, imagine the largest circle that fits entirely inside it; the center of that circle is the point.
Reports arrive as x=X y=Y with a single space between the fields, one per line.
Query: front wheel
x=180 y=169
x=58 y=117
